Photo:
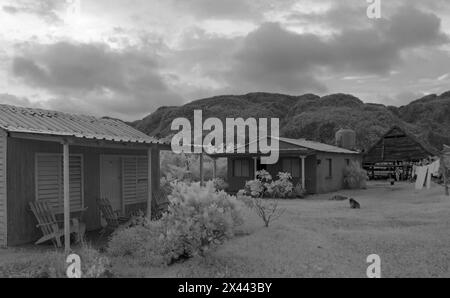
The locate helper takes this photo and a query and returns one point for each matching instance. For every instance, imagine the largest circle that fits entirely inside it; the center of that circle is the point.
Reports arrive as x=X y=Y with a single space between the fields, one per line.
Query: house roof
x=297 y=145
x=316 y=146
x=45 y=122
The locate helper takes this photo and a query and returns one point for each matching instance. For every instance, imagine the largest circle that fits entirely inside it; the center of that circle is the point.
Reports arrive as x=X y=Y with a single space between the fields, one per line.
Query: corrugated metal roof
x=321 y=147
x=39 y=121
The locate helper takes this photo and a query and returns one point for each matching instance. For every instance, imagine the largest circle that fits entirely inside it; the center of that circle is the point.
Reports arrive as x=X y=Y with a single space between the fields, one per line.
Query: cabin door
x=111 y=180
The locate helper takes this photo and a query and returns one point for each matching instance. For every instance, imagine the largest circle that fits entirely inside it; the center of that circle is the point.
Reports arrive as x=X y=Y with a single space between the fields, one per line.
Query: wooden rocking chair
x=112 y=217
x=50 y=227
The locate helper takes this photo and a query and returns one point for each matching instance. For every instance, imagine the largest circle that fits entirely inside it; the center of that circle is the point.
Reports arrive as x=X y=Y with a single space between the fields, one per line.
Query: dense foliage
x=265 y=186
x=199 y=219
x=355 y=177
x=186 y=167
x=318 y=118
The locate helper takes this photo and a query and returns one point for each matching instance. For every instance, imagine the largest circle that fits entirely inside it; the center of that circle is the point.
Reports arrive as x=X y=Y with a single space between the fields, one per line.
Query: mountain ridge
x=317 y=118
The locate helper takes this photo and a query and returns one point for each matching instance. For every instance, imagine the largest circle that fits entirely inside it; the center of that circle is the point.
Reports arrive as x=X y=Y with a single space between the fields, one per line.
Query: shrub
x=198 y=219
x=264 y=186
x=220 y=184
x=265 y=209
x=299 y=192
x=283 y=187
x=355 y=177
x=165 y=182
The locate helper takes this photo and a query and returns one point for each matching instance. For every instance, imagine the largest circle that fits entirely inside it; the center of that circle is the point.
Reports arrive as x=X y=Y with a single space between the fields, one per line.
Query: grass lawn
x=319 y=238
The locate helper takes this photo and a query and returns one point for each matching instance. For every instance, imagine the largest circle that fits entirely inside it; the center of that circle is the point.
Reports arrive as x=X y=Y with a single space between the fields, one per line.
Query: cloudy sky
x=125 y=58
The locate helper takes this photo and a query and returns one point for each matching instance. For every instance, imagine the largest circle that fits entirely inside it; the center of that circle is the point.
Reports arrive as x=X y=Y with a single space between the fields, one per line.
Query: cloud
x=273 y=58
x=125 y=61
x=100 y=78
x=45 y=9
x=412 y=27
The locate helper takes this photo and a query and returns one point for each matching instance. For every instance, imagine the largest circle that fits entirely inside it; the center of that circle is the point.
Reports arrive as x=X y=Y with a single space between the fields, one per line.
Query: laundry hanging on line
x=424 y=174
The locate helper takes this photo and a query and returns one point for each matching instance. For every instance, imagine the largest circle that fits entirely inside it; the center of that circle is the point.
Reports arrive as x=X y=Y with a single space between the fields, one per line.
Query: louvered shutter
x=142 y=179
x=49 y=180
x=75 y=182
x=134 y=179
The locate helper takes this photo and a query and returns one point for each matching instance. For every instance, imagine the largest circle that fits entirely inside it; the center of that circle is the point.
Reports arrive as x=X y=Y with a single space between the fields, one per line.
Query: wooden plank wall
x=3 y=192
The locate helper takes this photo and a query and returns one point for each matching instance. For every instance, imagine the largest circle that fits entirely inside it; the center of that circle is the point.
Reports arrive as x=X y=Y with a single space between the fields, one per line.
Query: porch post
x=149 y=183
x=214 y=167
x=255 y=166
x=66 y=197
x=201 y=169
x=303 y=158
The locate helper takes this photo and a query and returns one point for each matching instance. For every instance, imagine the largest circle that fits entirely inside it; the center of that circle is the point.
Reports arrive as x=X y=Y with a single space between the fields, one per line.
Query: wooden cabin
x=318 y=167
x=104 y=157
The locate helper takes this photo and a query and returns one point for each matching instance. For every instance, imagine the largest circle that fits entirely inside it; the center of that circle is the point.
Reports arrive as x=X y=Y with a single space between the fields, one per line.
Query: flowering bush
x=283 y=187
x=198 y=219
x=264 y=186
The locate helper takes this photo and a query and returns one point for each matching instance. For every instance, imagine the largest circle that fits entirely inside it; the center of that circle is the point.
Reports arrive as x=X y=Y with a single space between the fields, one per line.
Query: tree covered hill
x=317 y=118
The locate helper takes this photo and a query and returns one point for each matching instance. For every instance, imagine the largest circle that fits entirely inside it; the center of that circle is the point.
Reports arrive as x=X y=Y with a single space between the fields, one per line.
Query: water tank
x=346 y=138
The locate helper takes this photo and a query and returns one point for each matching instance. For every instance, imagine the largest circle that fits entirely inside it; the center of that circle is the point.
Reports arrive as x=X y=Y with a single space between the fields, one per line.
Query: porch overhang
x=89 y=142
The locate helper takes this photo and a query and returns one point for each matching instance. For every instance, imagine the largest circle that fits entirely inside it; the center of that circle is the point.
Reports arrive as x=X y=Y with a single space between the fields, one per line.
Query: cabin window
x=330 y=167
x=241 y=168
x=49 y=180
x=292 y=166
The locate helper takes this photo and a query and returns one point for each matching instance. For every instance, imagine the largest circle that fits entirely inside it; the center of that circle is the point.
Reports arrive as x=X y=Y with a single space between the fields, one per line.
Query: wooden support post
x=303 y=158
x=66 y=187
x=214 y=168
x=255 y=166
x=149 y=183
x=201 y=170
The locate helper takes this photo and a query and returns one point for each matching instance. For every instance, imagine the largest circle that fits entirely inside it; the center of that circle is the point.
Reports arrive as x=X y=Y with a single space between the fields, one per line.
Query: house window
x=50 y=180
x=330 y=167
x=241 y=168
x=292 y=166
x=347 y=161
